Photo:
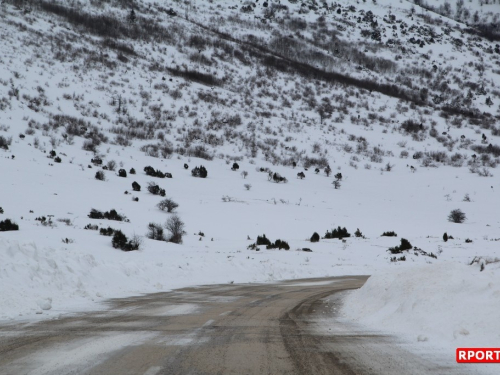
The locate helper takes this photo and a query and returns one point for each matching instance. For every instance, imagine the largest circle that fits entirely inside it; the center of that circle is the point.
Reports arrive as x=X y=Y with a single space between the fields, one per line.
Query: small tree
x=457 y=216
x=244 y=174
x=120 y=241
x=131 y=16
x=7 y=225
x=328 y=170
x=200 y=171
x=325 y=109
x=336 y=184
x=99 y=175
x=262 y=240
x=176 y=228
x=155 y=189
x=167 y=204
x=315 y=237
x=358 y=233
x=155 y=232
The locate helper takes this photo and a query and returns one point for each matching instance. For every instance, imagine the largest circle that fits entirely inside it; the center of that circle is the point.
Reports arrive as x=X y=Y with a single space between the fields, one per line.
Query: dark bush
x=263 y=240
x=337 y=233
x=191 y=75
x=411 y=126
x=235 y=167
x=132 y=171
x=8 y=225
x=457 y=216
x=120 y=241
x=445 y=237
x=418 y=155
x=490 y=149
x=1 y=210
x=136 y=186
x=200 y=171
x=5 y=142
x=96 y=161
x=91 y=227
x=57 y=159
x=109 y=215
x=358 y=233
x=405 y=245
x=315 y=237
x=95 y=214
x=99 y=175
x=106 y=231
x=389 y=234
x=155 y=232
x=278 y=178
x=279 y=244
x=155 y=189
x=122 y=173
x=150 y=171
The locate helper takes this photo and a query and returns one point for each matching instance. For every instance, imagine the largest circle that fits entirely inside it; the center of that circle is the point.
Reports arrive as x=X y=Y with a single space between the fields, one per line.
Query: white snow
x=447 y=303
x=444 y=302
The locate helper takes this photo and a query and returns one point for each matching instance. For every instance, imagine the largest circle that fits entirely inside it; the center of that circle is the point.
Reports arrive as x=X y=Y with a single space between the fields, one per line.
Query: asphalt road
x=243 y=329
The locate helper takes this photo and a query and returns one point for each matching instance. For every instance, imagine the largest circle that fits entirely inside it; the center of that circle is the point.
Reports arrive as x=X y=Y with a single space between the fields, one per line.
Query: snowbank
x=448 y=304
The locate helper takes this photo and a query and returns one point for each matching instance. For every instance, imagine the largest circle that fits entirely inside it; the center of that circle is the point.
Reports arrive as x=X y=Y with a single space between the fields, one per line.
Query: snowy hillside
x=389 y=109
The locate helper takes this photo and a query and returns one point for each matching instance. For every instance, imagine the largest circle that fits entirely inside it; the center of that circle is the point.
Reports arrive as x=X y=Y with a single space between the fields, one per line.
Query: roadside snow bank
x=38 y=281
x=448 y=304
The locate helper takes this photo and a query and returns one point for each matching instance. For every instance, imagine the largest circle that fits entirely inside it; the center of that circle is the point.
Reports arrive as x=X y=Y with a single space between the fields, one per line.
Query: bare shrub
x=176 y=228
x=457 y=216
x=167 y=204
x=5 y=142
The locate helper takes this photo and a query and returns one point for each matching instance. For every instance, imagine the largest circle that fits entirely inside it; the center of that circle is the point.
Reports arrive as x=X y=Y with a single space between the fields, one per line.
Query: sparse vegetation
x=405 y=245
x=109 y=215
x=337 y=233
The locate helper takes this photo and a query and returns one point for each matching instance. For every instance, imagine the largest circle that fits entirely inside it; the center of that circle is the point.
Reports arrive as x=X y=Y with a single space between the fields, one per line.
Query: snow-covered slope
x=401 y=101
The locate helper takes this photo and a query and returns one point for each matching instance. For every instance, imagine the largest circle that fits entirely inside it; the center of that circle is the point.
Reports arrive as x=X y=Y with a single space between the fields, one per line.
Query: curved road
x=220 y=329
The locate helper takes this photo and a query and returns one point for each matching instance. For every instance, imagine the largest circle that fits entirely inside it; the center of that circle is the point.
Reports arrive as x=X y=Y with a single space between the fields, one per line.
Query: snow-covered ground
x=434 y=309
x=48 y=270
